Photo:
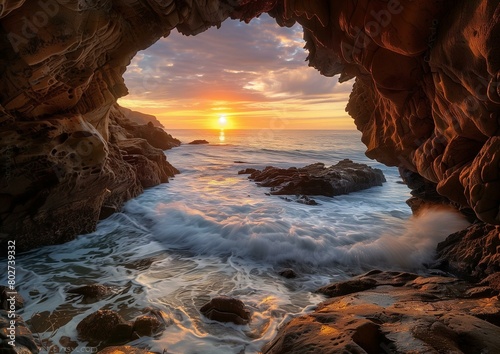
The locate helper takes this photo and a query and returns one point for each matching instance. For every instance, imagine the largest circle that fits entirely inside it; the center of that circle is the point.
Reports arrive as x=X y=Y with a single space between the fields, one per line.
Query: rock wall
x=426 y=97
x=427 y=93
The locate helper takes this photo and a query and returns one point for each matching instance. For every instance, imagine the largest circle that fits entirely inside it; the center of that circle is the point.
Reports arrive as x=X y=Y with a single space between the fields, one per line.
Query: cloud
x=235 y=68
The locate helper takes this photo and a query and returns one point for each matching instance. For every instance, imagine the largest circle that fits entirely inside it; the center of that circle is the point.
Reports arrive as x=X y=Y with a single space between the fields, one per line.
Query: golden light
x=222 y=120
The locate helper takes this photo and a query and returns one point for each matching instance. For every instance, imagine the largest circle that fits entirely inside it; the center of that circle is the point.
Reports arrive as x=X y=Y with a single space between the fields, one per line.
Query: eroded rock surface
x=472 y=253
x=426 y=97
x=397 y=313
x=316 y=179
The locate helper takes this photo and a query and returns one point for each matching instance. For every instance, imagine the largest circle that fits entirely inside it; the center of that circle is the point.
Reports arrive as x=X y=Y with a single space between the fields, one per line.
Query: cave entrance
x=241 y=76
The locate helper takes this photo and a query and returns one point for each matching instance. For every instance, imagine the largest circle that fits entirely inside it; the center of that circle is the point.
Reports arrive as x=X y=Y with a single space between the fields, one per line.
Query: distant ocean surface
x=213 y=232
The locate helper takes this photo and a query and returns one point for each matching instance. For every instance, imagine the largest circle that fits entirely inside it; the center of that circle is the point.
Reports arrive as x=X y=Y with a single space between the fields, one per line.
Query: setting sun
x=222 y=121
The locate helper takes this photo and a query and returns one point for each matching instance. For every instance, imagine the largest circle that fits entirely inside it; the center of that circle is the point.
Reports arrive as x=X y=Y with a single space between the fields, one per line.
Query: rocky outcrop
x=15 y=336
x=61 y=175
x=472 y=253
x=426 y=96
x=316 y=179
x=198 y=142
x=397 y=313
x=140 y=118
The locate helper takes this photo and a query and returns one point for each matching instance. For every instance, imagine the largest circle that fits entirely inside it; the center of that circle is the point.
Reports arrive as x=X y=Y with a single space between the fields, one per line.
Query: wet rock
x=198 y=142
x=288 y=273
x=147 y=325
x=304 y=199
x=126 y=349
x=6 y=294
x=226 y=309
x=104 y=325
x=316 y=179
x=89 y=292
x=347 y=287
x=247 y=171
x=397 y=315
x=24 y=341
x=472 y=253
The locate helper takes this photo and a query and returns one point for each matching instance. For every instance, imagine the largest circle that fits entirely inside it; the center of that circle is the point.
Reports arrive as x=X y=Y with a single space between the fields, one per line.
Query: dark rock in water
x=226 y=309
x=198 y=142
x=104 y=326
x=94 y=291
x=288 y=273
x=304 y=199
x=238 y=161
x=147 y=325
x=347 y=287
x=247 y=171
x=24 y=341
x=316 y=179
x=126 y=349
x=472 y=253
x=396 y=313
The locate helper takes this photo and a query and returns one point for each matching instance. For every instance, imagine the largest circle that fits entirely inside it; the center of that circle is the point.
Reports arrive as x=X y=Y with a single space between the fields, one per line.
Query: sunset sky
x=253 y=74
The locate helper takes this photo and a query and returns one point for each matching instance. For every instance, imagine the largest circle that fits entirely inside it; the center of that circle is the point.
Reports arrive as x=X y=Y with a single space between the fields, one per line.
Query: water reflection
x=222 y=136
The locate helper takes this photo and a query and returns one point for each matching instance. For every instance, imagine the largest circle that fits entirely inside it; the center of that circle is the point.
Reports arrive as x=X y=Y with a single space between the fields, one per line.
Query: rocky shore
x=426 y=98
x=343 y=178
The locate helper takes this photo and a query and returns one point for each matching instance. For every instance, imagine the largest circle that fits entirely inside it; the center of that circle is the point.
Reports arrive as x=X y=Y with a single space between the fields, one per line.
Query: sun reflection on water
x=222 y=136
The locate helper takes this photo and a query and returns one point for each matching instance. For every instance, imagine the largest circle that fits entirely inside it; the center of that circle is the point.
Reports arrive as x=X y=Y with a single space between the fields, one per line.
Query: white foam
x=212 y=232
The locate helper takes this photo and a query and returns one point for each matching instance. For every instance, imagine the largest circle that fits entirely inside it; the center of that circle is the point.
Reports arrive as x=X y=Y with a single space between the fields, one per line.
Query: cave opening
x=253 y=74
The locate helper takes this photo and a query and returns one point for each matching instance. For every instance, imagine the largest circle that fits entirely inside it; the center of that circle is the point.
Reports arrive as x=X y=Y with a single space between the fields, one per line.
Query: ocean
x=213 y=232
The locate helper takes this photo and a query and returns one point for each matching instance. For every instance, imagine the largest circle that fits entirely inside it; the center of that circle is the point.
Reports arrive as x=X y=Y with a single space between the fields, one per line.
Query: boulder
x=316 y=179
x=104 y=326
x=198 y=142
x=288 y=273
x=226 y=309
x=147 y=325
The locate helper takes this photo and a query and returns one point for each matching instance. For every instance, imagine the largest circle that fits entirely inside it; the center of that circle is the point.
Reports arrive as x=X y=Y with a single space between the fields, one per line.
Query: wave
x=401 y=244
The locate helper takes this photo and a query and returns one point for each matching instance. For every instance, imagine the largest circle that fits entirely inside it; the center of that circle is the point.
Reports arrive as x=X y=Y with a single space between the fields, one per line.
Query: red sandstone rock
x=426 y=97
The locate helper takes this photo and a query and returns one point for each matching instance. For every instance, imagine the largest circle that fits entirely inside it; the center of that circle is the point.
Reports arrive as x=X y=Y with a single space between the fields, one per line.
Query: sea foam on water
x=212 y=232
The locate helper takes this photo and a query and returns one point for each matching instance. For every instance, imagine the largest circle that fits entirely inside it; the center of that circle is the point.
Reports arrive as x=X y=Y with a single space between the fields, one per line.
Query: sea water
x=212 y=232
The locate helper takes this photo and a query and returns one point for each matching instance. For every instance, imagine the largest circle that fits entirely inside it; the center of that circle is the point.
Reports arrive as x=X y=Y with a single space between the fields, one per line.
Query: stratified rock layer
x=316 y=179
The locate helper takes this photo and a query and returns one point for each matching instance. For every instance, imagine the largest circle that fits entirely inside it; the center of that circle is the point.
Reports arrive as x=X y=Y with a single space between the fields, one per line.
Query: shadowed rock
x=226 y=309
x=104 y=325
x=396 y=313
x=316 y=179
x=426 y=97
x=198 y=142
x=473 y=252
